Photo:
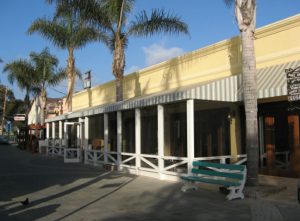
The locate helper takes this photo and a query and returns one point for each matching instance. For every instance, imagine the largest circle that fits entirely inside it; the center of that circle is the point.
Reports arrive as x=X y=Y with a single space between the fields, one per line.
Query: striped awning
x=271 y=83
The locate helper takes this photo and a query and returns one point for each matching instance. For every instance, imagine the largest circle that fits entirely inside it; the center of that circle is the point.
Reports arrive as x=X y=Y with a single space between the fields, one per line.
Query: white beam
x=119 y=137
x=105 y=137
x=138 y=139
x=190 y=133
x=160 y=139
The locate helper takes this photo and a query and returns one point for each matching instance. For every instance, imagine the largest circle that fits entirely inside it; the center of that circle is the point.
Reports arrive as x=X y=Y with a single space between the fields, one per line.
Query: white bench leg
x=235 y=193
x=188 y=186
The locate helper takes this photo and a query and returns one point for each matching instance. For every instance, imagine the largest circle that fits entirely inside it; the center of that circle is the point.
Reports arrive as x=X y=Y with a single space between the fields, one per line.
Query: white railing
x=50 y=142
x=149 y=162
x=112 y=157
x=72 y=155
x=242 y=158
x=129 y=162
x=174 y=165
x=94 y=157
x=278 y=162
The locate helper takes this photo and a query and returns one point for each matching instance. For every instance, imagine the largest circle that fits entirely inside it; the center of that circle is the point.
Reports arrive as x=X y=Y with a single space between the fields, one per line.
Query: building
x=190 y=108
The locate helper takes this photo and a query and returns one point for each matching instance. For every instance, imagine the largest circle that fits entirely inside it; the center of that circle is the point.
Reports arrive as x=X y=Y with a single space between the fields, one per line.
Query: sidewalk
x=59 y=191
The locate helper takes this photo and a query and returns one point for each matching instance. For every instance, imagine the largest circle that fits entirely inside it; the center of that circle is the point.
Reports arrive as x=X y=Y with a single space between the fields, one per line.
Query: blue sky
x=209 y=22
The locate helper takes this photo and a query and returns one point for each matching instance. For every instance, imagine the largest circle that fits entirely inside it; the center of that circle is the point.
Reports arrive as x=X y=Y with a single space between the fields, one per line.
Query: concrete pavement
x=59 y=191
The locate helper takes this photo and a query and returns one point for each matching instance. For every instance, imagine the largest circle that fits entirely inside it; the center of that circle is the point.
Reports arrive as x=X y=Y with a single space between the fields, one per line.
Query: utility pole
x=4 y=107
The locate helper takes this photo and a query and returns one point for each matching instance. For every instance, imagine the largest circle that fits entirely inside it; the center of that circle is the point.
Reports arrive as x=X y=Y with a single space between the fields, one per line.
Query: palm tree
x=22 y=72
x=47 y=75
x=66 y=31
x=111 y=17
x=35 y=75
x=245 y=13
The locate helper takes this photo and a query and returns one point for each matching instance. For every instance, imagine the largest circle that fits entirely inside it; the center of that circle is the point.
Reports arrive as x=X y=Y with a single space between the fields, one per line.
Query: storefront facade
x=190 y=108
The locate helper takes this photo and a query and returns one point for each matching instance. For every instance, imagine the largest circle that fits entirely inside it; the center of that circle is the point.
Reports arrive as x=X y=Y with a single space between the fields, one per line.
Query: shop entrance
x=279 y=140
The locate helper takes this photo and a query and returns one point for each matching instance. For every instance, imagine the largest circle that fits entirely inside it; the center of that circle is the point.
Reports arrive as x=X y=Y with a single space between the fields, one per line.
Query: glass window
x=175 y=130
x=128 y=131
x=149 y=130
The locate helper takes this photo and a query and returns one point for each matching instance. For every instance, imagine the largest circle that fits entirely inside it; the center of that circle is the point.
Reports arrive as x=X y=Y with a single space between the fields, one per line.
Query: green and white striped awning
x=271 y=82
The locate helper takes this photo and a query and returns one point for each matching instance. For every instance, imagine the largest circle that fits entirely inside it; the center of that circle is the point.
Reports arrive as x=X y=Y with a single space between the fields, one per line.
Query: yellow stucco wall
x=274 y=44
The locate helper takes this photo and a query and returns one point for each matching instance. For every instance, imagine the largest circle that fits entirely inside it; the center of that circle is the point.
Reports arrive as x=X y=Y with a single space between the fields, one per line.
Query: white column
x=78 y=129
x=138 y=139
x=86 y=132
x=60 y=132
x=160 y=139
x=66 y=134
x=119 y=137
x=190 y=133
x=53 y=131
x=105 y=137
x=60 y=129
x=47 y=131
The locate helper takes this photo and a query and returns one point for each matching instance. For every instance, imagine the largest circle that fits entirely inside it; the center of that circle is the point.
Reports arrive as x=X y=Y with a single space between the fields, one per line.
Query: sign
x=293 y=83
x=19 y=117
x=87 y=80
x=8 y=126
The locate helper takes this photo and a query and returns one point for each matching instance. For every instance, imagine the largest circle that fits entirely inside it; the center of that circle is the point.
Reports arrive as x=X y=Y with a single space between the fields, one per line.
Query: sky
x=209 y=21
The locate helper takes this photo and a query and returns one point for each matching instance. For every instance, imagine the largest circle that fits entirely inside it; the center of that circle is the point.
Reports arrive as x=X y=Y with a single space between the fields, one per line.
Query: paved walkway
x=59 y=191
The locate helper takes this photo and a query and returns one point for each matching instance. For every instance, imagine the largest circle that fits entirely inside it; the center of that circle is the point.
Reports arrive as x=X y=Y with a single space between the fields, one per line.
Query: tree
x=245 y=13
x=111 y=17
x=47 y=75
x=35 y=75
x=66 y=31
x=22 y=72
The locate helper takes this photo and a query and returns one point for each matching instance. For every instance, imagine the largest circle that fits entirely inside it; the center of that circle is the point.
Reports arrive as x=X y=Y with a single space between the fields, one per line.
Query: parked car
x=3 y=141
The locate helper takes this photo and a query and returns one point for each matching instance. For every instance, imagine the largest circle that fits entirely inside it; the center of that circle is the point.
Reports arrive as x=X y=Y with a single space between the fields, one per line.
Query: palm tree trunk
x=71 y=78
x=250 y=102
x=118 y=68
x=43 y=105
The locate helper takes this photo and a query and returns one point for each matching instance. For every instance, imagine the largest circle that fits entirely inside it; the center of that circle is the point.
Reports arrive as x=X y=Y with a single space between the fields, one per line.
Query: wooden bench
x=230 y=176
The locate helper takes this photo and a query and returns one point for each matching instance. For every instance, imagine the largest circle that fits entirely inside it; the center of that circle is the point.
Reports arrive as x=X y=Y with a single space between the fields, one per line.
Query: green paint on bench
x=219 y=166
x=237 y=176
x=226 y=183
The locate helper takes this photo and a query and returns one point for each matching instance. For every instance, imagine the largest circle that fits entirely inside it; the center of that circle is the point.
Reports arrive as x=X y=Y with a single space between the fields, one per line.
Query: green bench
x=230 y=176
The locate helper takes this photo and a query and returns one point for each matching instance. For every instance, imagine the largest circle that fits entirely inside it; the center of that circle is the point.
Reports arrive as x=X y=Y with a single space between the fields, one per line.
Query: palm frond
x=159 y=21
x=56 y=32
x=20 y=71
x=83 y=35
x=229 y=3
x=56 y=78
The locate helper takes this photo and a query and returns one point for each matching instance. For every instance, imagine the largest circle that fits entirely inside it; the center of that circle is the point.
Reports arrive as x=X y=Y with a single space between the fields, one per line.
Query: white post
x=105 y=137
x=66 y=134
x=160 y=139
x=138 y=139
x=190 y=133
x=53 y=131
x=47 y=131
x=119 y=138
x=86 y=132
x=78 y=134
x=60 y=130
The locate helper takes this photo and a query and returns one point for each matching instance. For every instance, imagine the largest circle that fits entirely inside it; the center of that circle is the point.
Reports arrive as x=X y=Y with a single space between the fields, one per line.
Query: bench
x=232 y=177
